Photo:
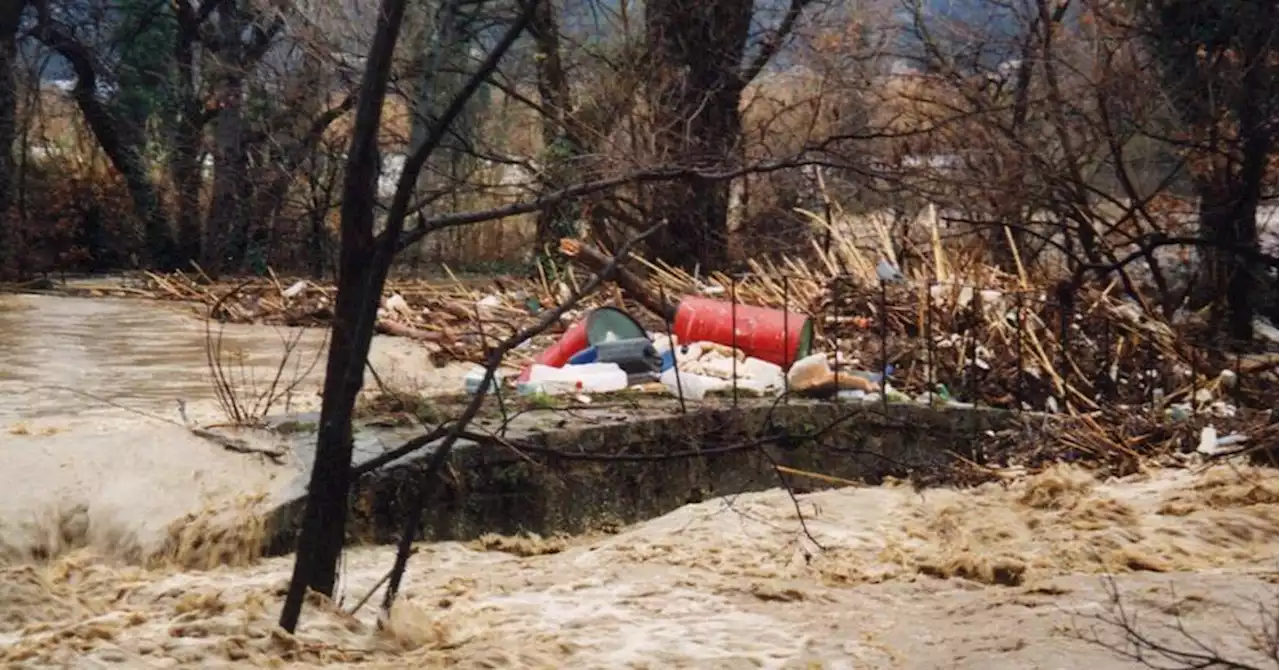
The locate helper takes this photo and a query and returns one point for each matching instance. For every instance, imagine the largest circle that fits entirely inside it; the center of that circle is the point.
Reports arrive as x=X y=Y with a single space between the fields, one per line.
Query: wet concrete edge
x=594 y=478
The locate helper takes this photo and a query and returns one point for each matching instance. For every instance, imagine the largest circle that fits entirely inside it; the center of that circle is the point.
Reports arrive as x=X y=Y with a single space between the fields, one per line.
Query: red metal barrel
x=768 y=334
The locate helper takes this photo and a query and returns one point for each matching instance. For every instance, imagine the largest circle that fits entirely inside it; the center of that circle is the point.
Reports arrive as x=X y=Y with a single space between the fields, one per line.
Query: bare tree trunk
x=225 y=230
x=10 y=11
x=441 y=61
x=699 y=47
x=1004 y=249
x=184 y=162
x=1210 y=93
x=559 y=142
x=1257 y=130
x=1230 y=272
x=121 y=143
x=243 y=38
x=360 y=281
x=365 y=261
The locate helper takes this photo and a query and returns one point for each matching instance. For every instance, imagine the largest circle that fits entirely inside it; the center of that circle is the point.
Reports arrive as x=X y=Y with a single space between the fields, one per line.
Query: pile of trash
x=768 y=353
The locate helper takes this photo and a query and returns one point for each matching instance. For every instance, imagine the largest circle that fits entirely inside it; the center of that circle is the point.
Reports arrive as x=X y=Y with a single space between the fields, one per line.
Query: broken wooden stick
x=400 y=330
x=238 y=445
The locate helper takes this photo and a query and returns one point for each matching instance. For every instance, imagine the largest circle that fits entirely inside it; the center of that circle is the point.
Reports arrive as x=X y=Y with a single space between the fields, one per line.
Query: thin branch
x=774 y=42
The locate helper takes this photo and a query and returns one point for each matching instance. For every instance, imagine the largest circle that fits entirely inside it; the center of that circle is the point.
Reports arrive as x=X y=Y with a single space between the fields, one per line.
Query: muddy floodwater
x=1025 y=574
x=95 y=443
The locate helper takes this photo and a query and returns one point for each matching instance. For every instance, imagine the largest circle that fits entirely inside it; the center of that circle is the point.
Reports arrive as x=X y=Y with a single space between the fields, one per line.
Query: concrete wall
x=626 y=472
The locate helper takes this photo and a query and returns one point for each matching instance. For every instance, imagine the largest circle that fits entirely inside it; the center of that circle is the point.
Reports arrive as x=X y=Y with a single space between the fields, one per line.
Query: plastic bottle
x=588 y=378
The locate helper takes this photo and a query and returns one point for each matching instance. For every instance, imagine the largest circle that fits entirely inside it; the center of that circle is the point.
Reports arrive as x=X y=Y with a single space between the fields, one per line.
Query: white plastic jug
x=586 y=378
x=693 y=386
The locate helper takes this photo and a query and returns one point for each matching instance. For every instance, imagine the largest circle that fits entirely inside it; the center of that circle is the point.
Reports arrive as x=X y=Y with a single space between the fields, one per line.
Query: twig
x=230 y=443
x=374 y=589
x=239 y=445
x=1142 y=648
x=112 y=403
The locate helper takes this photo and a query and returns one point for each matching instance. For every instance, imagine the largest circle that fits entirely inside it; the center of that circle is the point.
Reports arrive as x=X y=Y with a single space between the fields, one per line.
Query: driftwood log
x=595 y=261
x=387 y=327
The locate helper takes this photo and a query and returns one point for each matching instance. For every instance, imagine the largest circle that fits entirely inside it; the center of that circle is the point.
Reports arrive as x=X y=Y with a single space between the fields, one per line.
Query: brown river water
x=122 y=544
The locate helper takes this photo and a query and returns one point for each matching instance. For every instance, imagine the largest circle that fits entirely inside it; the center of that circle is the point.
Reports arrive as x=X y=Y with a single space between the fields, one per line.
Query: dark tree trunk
x=184 y=167
x=321 y=186
x=10 y=11
x=318 y=249
x=119 y=141
x=698 y=46
x=1217 y=63
x=304 y=122
x=226 y=227
x=184 y=162
x=1011 y=211
x=361 y=274
x=1230 y=273
x=364 y=263
x=560 y=144
x=269 y=195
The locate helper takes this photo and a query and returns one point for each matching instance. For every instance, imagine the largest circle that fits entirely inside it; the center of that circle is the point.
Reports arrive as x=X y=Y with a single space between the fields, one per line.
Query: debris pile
x=455 y=318
x=1121 y=440
x=1008 y=344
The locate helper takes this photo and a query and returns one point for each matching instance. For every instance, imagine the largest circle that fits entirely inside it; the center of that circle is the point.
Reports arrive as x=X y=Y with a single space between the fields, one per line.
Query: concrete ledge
x=579 y=479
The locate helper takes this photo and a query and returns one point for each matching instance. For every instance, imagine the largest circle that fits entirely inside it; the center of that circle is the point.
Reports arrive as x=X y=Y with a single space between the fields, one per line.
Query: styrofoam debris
x=692 y=386
x=1232 y=440
x=1222 y=409
x=663 y=342
x=593 y=377
x=1266 y=331
x=1208 y=441
x=712 y=365
x=396 y=303
x=762 y=371
x=295 y=290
